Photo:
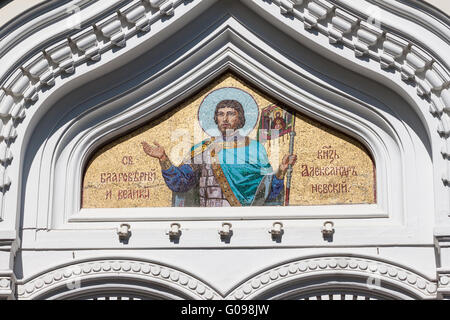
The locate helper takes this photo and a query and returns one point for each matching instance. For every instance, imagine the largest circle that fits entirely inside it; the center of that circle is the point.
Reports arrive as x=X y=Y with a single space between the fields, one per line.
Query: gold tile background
x=311 y=136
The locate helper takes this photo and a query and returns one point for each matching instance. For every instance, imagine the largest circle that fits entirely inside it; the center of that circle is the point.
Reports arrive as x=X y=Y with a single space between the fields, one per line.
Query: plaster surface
x=11 y=9
x=443 y=5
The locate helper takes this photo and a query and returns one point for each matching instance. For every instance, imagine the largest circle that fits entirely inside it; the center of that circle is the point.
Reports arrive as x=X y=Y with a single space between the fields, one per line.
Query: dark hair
x=234 y=105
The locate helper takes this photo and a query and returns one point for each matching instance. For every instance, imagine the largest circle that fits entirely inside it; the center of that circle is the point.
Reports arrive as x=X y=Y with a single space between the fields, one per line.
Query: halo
x=209 y=103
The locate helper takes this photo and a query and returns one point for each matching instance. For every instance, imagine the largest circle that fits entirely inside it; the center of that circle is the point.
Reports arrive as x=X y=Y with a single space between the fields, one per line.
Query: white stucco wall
x=377 y=95
x=443 y=5
x=14 y=8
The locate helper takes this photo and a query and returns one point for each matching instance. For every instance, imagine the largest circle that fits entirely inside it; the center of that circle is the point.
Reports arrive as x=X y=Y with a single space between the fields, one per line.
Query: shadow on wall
x=4 y=3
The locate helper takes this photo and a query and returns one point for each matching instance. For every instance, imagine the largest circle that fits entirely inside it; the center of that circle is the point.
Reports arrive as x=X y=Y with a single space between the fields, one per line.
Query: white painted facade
x=81 y=73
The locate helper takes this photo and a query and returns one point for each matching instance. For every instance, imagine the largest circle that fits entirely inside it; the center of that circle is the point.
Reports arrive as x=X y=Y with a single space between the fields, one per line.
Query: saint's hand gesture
x=155 y=151
x=287 y=160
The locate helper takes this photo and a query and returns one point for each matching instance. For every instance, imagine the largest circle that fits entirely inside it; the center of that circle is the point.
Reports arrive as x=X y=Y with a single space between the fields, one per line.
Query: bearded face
x=228 y=120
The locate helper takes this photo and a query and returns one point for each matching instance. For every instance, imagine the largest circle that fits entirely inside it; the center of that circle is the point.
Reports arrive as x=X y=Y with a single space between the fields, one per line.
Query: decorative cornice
x=348 y=266
x=338 y=266
x=80 y=272
x=443 y=276
x=7 y=284
x=428 y=16
x=444 y=282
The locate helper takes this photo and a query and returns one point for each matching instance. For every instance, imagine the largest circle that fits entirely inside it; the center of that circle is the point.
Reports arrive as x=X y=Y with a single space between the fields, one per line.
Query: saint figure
x=226 y=170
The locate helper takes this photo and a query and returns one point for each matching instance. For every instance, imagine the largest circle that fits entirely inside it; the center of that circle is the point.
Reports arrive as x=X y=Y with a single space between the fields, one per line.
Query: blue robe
x=247 y=171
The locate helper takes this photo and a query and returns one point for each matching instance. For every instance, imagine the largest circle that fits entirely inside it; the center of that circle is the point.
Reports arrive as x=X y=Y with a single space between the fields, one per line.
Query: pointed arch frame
x=37 y=75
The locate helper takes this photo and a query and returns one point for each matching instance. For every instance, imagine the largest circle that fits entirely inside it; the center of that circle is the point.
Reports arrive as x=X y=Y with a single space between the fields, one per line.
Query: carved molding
x=5 y=283
x=444 y=282
x=338 y=266
x=416 y=65
x=73 y=276
x=443 y=275
x=6 y=287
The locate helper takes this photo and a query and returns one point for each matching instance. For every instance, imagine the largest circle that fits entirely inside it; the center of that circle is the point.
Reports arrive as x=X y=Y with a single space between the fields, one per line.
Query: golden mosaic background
x=147 y=188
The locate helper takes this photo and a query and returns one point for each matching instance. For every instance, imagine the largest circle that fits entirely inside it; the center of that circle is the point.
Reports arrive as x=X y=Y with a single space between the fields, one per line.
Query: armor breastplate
x=211 y=194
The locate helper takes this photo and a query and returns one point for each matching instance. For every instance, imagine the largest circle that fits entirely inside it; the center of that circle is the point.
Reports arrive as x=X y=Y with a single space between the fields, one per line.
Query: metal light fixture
x=124 y=231
x=328 y=229
x=175 y=230
x=277 y=230
x=225 y=231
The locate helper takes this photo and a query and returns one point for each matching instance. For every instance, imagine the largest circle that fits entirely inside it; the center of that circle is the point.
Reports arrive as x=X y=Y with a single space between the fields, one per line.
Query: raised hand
x=287 y=160
x=155 y=151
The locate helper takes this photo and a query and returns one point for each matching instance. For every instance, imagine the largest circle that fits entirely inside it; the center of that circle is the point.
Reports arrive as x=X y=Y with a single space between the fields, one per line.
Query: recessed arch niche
x=139 y=92
x=331 y=168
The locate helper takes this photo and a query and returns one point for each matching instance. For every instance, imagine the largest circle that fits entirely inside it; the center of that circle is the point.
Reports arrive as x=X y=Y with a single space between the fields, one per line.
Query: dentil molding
x=6 y=287
x=79 y=275
x=372 y=270
x=76 y=276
